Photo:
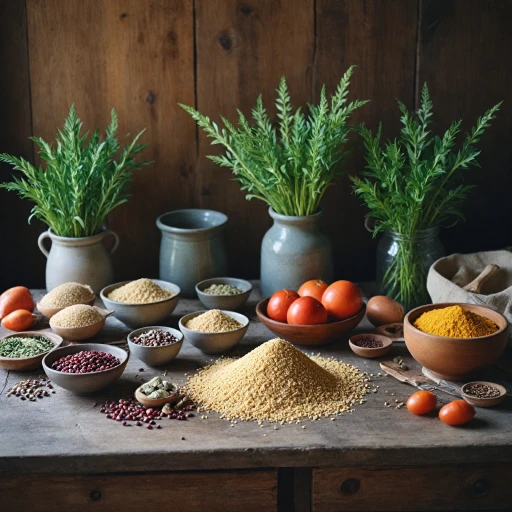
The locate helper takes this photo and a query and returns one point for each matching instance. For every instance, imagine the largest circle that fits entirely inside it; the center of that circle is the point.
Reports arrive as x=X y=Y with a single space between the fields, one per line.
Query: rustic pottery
x=455 y=358
x=293 y=251
x=309 y=335
x=155 y=356
x=367 y=352
x=82 y=333
x=81 y=260
x=192 y=247
x=483 y=402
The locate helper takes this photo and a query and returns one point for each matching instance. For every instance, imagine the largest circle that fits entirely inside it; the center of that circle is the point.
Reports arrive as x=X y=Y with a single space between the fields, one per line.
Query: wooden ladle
x=476 y=285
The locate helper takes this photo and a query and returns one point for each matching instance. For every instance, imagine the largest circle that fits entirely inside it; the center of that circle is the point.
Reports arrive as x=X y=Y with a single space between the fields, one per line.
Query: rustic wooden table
x=61 y=453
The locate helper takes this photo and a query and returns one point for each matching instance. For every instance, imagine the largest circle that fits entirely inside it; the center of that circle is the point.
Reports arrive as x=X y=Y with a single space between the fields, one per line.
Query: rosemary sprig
x=82 y=182
x=290 y=163
x=415 y=183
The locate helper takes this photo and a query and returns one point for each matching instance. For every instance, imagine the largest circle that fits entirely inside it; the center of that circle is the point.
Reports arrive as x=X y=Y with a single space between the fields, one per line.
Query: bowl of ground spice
x=141 y=302
x=455 y=341
x=64 y=295
x=483 y=394
x=85 y=368
x=25 y=350
x=214 y=331
x=79 y=322
x=225 y=293
x=155 y=345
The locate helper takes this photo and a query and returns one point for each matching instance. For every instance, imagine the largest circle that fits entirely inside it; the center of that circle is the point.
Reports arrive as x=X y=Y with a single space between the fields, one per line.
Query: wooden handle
x=476 y=285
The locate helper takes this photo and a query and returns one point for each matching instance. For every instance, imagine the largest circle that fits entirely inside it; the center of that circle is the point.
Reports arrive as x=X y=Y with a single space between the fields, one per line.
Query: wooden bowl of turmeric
x=455 y=341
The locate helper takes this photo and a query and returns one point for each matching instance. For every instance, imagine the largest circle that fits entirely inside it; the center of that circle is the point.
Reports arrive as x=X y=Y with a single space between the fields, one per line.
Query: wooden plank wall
x=142 y=57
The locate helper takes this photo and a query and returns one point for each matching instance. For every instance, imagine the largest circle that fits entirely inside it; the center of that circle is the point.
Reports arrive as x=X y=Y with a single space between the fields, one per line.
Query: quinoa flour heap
x=213 y=321
x=142 y=291
x=78 y=315
x=67 y=294
x=277 y=382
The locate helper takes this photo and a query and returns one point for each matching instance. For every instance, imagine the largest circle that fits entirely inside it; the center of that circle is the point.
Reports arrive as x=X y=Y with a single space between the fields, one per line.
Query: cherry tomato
x=314 y=288
x=421 y=402
x=279 y=303
x=307 y=311
x=342 y=299
x=457 y=412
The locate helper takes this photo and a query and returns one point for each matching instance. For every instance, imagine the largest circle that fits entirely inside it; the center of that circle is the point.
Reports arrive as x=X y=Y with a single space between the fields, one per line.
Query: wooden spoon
x=476 y=285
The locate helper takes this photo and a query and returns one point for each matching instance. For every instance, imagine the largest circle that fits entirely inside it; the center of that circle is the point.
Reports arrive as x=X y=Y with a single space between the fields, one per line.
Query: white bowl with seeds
x=227 y=293
x=149 y=344
x=141 y=302
x=214 y=331
x=63 y=296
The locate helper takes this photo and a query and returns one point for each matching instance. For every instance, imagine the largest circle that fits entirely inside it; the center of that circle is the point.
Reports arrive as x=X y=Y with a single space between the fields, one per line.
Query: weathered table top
x=67 y=434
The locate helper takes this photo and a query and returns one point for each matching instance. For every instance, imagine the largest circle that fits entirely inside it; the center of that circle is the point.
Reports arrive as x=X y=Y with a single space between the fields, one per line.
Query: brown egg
x=382 y=310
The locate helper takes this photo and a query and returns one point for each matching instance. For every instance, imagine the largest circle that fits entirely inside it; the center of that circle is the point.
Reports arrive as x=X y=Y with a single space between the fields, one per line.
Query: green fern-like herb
x=290 y=163
x=83 y=180
x=414 y=183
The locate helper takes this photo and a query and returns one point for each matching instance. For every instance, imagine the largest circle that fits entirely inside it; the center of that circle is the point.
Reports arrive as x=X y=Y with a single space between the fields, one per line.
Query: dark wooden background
x=142 y=57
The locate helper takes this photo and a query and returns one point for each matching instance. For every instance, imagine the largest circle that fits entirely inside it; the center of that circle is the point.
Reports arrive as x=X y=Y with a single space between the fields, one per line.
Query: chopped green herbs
x=25 y=346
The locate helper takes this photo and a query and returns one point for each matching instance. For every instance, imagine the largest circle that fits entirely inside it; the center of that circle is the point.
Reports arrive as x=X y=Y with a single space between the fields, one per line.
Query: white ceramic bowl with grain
x=140 y=315
x=155 y=356
x=228 y=302
x=214 y=342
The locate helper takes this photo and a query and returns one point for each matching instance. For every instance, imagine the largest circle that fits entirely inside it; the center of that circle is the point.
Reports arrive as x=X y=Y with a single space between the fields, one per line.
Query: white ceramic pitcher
x=82 y=260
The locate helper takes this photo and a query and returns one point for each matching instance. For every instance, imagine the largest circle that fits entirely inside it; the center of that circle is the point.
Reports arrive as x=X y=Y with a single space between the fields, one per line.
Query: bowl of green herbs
x=25 y=350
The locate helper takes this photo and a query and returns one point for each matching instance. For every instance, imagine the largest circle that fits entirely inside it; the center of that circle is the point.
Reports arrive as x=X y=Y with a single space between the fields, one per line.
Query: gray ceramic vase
x=192 y=247
x=294 y=250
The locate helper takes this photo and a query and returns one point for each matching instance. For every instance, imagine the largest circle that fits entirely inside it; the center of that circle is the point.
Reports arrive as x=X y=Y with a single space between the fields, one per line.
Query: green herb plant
x=82 y=181
x=288 y=164
x=414 y=184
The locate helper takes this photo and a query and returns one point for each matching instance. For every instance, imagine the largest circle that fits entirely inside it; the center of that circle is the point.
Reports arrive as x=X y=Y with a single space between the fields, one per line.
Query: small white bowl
x=140 y=315
x=228 y=302
x=155 y=356
x=214 y=342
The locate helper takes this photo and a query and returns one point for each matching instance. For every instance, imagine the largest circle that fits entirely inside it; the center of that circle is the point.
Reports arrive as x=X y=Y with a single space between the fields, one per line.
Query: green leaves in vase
x=83 y=180
x=290 y=163
x=412 y=184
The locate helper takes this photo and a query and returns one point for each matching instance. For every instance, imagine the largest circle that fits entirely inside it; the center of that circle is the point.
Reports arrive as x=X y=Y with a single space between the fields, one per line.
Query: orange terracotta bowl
x=455 y=358
x=308 y=335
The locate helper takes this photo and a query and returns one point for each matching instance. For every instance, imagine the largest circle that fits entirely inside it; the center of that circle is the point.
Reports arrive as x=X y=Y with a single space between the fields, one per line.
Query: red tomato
x=457 y=412
x=314 y=288
x=279 y=303
x=307 y=311
x=342 y=299
x=421 y=402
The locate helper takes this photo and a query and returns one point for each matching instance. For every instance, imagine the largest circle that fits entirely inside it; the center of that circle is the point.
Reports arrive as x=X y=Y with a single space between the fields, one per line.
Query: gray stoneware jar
x=82 y=260
x=294 y=250
x=192 y=247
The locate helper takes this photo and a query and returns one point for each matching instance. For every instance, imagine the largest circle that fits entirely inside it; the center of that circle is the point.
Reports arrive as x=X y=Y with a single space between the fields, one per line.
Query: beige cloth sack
x=448 y=275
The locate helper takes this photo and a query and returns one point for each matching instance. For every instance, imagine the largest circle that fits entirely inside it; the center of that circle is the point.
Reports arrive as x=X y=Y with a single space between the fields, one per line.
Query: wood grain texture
x=464 y=51
x=243 y=49
x=135 y=56
x=463 y=487
x=380 y=38
x=15 y=128
x=172 y=492
x=74 y=437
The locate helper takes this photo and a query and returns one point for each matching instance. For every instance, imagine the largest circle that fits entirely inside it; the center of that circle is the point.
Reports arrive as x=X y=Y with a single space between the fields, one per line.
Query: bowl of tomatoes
x=317 y=314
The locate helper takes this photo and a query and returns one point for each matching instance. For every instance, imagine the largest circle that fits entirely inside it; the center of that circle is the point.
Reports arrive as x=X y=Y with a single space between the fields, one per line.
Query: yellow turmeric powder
x=455 y=322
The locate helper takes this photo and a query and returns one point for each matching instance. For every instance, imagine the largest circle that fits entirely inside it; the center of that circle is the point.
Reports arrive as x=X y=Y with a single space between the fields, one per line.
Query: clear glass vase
x=403 y=261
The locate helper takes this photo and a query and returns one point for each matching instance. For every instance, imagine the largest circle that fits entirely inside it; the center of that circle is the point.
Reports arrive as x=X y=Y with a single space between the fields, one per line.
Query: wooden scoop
x=476 y=285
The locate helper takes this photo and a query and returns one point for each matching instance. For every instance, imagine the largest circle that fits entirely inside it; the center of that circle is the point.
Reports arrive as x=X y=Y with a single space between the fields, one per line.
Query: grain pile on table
x=78 y=315
x=214 y=320
x=142 y=291
x=277 y=382
x=67 y=294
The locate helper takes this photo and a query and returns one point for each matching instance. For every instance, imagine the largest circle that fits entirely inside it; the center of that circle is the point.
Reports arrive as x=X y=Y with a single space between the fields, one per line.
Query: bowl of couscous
x=141 y=302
